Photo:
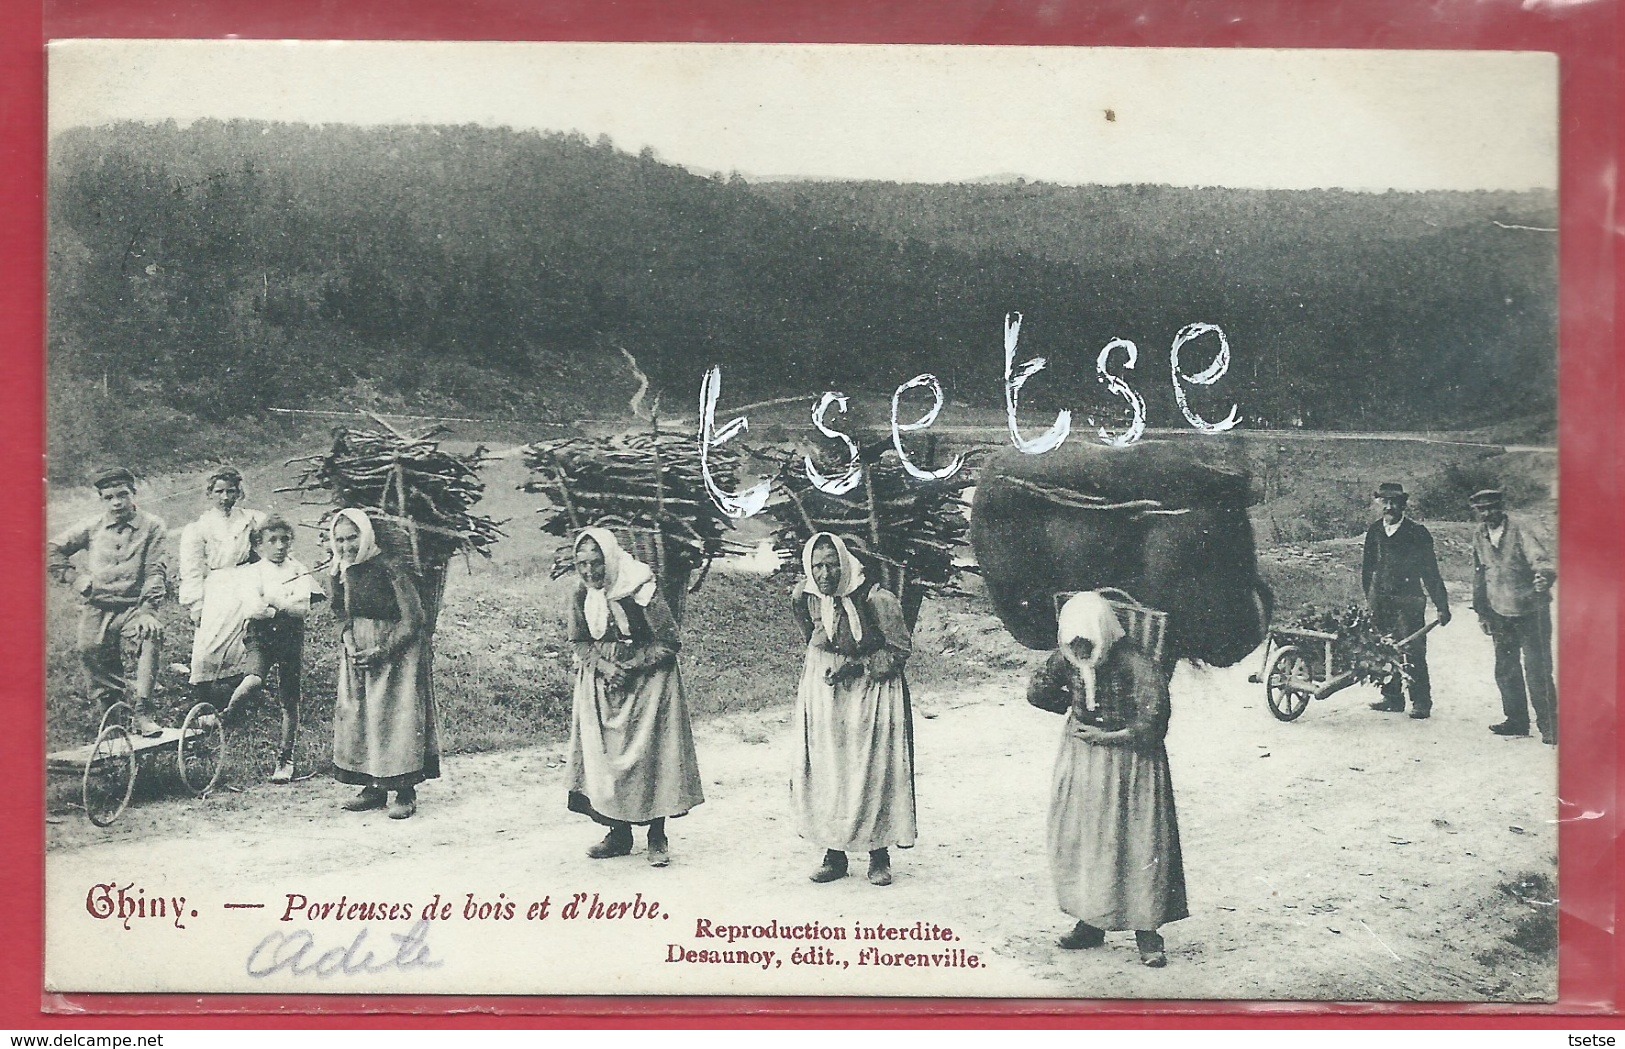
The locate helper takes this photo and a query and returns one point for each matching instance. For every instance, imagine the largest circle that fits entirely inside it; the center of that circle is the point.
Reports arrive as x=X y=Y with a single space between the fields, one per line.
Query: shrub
x=1442 y=495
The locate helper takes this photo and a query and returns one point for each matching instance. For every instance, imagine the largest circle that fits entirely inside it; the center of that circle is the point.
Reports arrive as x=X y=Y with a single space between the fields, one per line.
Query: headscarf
x=1088 y=615
x=365 y=551
x=851 y=579
x=624 y=577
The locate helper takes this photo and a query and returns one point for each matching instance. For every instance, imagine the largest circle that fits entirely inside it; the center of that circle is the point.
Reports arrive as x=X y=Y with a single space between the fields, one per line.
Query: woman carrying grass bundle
x=852 y=785
x=385 y=726
x=631 y=746
x=1113 y=838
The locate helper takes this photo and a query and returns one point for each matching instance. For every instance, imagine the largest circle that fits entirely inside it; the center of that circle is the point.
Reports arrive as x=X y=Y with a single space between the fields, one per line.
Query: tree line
x=201 y=275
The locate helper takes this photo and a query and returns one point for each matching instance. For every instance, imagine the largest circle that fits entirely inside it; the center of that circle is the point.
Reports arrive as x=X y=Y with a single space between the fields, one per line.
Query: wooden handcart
x=108 y=766
x=1309 y=664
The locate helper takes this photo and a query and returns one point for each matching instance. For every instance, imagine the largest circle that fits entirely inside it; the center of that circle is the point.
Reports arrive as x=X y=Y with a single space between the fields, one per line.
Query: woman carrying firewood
x=385 y=726
x=852 y=783
x=632 y=755
x=1113 y=838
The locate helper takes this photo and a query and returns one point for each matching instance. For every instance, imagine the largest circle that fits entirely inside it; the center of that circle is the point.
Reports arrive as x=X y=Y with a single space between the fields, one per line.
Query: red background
x=1584 y=34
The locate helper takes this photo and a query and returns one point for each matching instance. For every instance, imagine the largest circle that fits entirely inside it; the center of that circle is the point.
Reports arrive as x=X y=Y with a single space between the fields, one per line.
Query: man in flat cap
x=1512 y=594
x=1399 y=565
x=123 y=579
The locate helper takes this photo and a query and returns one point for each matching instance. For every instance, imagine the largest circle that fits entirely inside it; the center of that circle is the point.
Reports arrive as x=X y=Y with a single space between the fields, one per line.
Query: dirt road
x=1349 y=855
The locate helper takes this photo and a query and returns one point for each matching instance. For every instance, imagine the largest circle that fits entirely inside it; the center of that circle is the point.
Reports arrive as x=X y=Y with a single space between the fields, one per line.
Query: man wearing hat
x=1512 y=594
x=122 y=580
x=1399 y=565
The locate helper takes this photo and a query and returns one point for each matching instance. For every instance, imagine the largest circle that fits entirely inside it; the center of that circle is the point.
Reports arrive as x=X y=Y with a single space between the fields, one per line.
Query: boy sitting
x=275 y=632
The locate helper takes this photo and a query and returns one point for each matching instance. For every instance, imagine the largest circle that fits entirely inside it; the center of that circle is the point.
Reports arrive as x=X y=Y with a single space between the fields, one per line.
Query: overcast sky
x=1279 y=119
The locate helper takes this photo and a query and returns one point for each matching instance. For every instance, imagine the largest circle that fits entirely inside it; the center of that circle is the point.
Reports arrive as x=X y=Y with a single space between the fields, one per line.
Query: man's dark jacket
x=1402 y=565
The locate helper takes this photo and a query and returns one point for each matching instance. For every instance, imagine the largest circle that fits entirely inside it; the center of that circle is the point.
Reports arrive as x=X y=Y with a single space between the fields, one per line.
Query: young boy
x=275 y=632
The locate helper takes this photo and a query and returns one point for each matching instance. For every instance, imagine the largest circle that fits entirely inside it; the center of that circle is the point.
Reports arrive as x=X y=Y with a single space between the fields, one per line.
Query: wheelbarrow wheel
x=120 y=713
x=1287 y=684
x=109 y=778
x=201 y=753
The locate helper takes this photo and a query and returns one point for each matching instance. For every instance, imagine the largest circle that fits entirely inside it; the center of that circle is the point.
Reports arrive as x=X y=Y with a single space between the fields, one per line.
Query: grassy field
x=502 y=670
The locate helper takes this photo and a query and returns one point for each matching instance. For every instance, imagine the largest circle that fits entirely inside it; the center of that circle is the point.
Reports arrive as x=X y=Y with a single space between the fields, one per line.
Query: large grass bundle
x=647 y=488
x=1155 y=520
x=1147 y=475
x=910 y=527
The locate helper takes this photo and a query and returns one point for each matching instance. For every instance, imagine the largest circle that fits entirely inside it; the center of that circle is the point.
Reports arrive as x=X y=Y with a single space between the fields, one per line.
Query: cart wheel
x=120 y=713
x=201 y=753
x=109 y=776
x=1287 y=684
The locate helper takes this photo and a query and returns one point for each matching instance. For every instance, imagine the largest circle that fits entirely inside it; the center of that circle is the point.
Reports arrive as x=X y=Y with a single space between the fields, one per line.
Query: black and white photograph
x=802 y=520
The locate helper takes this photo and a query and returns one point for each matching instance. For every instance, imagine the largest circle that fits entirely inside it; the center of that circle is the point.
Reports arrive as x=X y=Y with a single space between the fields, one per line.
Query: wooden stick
x=1407 y=640
x=874 y=522
x=386 y=425
x=660 y=490
x=812 y=529
x=564 y=491
x=411 y=526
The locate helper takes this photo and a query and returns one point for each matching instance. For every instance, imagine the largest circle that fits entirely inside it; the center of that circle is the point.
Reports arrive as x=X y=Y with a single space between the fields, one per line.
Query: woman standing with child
x=385 y=725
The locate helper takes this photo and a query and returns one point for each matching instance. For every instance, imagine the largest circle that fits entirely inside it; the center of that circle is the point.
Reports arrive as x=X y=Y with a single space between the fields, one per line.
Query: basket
x=402 y=541
x=642 y=541
x=889 y=573
x=663 y=540
x=1147 y=626
x=399 y=539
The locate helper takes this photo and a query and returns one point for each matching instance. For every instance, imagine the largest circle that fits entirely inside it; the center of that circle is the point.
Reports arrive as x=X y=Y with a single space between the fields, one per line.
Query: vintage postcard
x=882 y=521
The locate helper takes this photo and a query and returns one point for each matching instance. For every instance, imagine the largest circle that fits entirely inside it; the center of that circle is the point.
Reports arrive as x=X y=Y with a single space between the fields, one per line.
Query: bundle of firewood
x=911 y=527
x=647 y=481
x=417 y=493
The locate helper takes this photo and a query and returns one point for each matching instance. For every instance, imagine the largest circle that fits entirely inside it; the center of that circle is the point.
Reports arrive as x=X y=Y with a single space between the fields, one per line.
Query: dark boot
x=834 y=867
x=1152 y=955
x=370 y=798
x=405 y=804
x=618 y=842
x=1082 y=937
x=658 y=854
x=143 y=722
x=879 y=867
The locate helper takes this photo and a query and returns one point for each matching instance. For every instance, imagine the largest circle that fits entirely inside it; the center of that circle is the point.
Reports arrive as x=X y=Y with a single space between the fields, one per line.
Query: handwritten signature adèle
x=296 y=953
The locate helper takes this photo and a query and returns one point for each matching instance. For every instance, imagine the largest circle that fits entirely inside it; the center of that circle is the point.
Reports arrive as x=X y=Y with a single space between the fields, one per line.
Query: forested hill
x=1110 y=227
x=202 y=275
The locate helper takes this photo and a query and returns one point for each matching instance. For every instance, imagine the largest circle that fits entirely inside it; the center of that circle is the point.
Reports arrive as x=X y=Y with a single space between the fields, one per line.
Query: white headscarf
x=1088 y=615
x=365 y=551
x=624 y=577
x=851 y=579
